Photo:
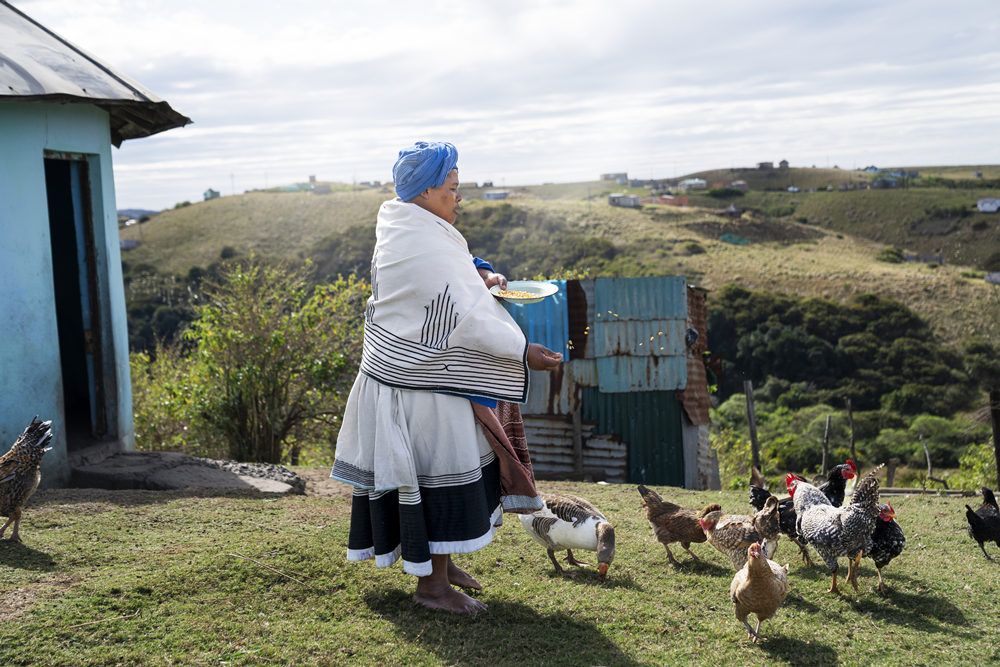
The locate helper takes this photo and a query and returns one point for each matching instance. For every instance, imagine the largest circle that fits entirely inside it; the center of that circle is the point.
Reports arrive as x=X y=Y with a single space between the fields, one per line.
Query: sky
x=542 y=90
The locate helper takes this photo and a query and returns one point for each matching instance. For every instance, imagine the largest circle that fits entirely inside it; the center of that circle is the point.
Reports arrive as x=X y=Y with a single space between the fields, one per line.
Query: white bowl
x=538 y=289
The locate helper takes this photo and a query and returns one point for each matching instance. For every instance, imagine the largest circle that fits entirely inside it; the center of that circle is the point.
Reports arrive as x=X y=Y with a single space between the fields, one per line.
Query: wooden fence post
x=826 y=445
x=854 y=453
x=752 y=420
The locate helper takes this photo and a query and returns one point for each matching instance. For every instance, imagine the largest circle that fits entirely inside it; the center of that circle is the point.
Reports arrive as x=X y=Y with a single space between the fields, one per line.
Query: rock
x=163 y=471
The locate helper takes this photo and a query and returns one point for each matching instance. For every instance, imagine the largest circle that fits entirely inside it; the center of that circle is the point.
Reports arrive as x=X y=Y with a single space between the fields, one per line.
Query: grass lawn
x=163 y=578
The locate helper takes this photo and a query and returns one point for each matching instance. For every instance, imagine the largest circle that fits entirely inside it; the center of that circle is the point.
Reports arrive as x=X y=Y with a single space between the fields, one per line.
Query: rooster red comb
x=789 y=479
x=852 y=465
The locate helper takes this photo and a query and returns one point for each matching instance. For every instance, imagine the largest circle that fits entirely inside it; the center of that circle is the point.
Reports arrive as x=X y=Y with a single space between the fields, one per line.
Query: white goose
x=570 y=522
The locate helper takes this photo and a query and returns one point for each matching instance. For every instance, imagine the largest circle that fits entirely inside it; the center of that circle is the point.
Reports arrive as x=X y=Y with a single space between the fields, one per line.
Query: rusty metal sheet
x=545 y=322
x=37 y=64
x=694 y=396
x=662 y=297
x=556 y=393
x=639 y=338
x=650 y=425
x=622 y=374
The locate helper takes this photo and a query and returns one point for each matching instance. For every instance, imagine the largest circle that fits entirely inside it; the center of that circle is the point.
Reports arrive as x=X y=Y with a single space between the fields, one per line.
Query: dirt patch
x=318 y=483
x=17 y=602
x=758 y=231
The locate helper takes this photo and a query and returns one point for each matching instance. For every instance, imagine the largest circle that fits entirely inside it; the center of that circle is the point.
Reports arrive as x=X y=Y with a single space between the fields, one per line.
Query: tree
x=982 y=362
x=277 y=357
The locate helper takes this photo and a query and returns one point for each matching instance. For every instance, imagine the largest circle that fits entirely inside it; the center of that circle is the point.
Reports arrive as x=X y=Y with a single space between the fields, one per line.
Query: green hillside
x=549 y=229
x=781 y=179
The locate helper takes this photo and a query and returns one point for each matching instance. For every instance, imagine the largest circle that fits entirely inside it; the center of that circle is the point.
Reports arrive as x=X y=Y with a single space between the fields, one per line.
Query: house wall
x=30 y=373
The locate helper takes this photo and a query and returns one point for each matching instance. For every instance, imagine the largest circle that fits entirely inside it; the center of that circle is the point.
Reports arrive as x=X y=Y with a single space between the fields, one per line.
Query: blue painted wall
x=30 y=372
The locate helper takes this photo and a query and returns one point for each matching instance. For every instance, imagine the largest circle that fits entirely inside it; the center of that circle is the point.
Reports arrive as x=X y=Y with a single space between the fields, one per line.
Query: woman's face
x=443 y=201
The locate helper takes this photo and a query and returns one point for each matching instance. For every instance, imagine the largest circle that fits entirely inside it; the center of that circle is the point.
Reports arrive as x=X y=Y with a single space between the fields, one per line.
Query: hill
x=781 y=179
x=545 y=230
x=248 y=580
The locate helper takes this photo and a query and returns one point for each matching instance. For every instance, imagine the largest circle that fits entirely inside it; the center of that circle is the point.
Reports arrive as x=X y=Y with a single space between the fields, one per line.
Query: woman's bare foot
x=459 y=577
x=447 y=599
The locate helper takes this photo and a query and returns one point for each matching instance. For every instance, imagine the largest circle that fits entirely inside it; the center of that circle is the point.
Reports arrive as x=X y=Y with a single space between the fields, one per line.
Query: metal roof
x=36 y=64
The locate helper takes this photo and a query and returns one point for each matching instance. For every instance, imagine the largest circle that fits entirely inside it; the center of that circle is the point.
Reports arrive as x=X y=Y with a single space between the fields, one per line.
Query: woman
x=430 y=438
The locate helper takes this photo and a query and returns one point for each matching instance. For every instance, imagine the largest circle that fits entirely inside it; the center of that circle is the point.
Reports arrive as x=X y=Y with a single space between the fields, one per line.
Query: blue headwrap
x=423 y=165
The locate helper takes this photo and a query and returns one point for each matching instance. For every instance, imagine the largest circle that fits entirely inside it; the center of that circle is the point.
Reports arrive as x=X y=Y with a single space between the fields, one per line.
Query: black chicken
x=984 y=523
x=887 y=541
x=833 y=488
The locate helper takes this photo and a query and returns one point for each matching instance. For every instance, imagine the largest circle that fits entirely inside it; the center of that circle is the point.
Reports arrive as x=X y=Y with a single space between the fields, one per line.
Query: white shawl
x=431 y=323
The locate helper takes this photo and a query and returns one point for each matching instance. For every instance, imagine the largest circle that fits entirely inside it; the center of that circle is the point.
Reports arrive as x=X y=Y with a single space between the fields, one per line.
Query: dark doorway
x=71 y=226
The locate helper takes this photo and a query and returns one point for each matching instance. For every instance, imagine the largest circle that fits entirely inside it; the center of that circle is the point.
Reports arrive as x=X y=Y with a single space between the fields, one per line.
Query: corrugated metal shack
x=631 y=402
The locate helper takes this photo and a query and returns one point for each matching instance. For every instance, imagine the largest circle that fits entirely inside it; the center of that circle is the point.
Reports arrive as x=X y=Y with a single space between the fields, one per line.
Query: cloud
x=541 y=91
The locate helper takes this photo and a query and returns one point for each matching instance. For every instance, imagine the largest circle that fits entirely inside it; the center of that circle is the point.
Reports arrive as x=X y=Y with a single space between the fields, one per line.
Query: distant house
x=496 y=195
x=487 y=184
x=765 y=165
x=988 y=205
x=62 y=299
x=627 y=201
x=783 y=164
x=739 y=185
x=871 y=169
x=621 y=178
x=792 y=188
x=693 y=184
x=211 y=194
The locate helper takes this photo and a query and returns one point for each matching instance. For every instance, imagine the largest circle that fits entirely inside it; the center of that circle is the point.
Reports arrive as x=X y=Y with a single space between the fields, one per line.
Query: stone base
x=164 y=471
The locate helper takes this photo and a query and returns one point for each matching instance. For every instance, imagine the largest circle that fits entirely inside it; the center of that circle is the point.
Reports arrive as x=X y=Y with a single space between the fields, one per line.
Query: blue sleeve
x=482 y=400
x=482 y=264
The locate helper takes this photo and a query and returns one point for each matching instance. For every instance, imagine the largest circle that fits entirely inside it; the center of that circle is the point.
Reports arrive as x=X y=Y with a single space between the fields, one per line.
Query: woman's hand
x=491 y=278
x=541 y=358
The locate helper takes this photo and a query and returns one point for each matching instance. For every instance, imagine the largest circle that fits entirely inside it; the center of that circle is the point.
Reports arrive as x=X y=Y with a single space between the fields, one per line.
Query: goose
x=570 y=522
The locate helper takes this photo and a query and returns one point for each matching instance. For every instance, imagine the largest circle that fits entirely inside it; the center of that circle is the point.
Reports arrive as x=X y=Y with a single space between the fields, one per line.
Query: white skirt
x=426 y=480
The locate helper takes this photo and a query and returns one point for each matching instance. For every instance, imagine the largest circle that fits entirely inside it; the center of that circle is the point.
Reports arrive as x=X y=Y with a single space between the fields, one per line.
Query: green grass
x=134 y=577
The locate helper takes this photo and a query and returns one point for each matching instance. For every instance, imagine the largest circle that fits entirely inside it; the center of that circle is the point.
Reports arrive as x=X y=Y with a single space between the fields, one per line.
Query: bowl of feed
x=524 y=291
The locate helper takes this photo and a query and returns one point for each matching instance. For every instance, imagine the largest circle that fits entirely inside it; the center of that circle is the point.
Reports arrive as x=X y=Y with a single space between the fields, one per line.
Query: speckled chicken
x=887 y=541
x=733 y=534
x=570 y=522
x=984 y=523
x=20 y=472
x=833 y=488
x=673 y=523
x=759 y=588
x=838 y=531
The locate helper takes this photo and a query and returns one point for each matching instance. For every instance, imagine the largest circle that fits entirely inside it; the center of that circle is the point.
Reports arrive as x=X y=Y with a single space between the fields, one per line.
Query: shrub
x=725 y=193
x=267 y=368
x=890 y=255
x=977 y=468
x=277 y=358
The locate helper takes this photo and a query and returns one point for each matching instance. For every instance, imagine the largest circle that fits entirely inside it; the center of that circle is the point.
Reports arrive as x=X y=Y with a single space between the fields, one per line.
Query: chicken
x=758 y=588
x=984 y=523
x=887 y=541
x=838 y=531
x=570 y=522
x=20 y=472
x=733 y=534
x=673 y=523
x=833 y=489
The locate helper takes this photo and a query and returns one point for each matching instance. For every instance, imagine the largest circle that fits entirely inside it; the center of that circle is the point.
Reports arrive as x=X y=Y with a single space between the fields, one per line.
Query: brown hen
x=673 y=523
x=20 y=472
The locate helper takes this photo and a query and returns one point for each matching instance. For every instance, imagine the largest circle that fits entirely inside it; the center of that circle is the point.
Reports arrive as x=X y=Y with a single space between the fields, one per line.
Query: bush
x=977 y=468
x=725 y=193
x=890 y=255
x=734 y=458
x=269 y=366
x=277 y=359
